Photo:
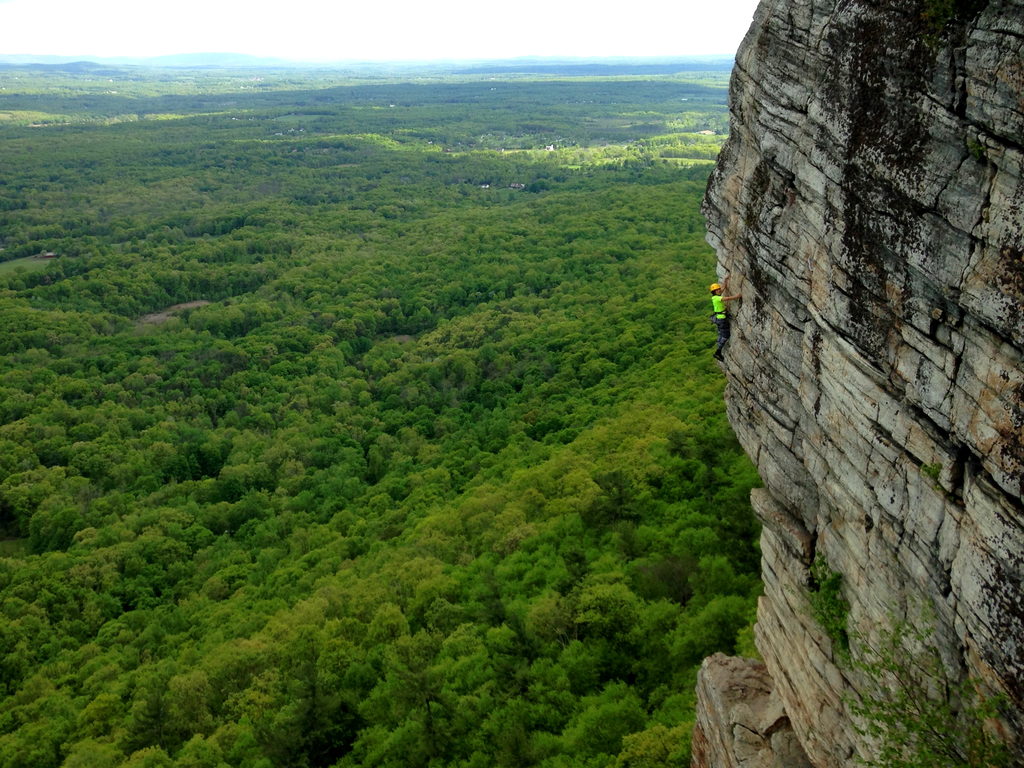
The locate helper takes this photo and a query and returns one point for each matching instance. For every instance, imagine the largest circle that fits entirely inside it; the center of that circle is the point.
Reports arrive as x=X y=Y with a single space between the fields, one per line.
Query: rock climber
x=720 y=317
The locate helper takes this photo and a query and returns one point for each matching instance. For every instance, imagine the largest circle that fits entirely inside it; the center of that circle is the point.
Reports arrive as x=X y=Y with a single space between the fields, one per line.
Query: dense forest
x=360 y=423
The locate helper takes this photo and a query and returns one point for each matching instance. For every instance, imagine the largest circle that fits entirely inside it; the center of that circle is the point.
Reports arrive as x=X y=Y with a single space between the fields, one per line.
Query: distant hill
x=190 y=60
x=528 y=65
x=58 y=66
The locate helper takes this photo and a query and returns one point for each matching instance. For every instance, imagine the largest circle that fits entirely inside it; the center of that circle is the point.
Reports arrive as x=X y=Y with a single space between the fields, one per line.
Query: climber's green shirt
x=719 y=305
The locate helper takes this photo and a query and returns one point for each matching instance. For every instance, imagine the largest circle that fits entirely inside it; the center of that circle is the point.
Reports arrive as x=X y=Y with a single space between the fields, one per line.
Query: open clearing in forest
x=30 y=263
x=165 y=314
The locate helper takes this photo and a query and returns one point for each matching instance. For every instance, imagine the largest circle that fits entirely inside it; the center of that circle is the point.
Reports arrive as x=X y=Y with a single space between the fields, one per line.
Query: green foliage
x=315 y=452
x=828 y=605
x=976 y=150
x=933 y=472
x=656 y=747
x=917 y=714
x=938 y=15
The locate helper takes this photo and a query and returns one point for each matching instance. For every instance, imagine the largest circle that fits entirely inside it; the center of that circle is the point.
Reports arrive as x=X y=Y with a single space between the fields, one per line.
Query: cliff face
x=869 y=206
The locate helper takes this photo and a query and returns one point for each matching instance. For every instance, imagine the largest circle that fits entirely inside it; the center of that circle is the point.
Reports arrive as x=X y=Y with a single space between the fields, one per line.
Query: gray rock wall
x=869 y=206
x=742 y=723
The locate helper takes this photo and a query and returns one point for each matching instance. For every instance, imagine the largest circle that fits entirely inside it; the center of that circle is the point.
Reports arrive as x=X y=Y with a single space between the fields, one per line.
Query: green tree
x=917 y=713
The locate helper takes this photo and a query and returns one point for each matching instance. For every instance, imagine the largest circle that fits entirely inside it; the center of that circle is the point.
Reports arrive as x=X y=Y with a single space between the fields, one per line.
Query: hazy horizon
x=319 y=32
x=234 y=59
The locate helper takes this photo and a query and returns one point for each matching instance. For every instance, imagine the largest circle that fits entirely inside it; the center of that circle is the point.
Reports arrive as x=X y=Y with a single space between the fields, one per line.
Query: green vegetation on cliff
x=431 y=467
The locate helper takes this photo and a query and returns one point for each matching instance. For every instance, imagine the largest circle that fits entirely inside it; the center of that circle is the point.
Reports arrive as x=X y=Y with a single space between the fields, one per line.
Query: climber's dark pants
x=723 y=331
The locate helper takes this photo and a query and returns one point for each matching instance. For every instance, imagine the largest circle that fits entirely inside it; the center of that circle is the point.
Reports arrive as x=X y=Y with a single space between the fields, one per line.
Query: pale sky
x=320 y=30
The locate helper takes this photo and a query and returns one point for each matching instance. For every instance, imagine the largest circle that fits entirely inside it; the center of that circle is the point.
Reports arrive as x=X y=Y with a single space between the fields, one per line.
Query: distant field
x=30 y=263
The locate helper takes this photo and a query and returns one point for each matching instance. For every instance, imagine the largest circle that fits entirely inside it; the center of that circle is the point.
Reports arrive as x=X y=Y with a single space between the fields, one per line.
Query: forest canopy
x=361 y=423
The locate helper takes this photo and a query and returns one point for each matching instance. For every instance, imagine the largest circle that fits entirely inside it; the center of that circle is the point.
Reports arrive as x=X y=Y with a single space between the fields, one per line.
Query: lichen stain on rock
x=865 y=267
x=1005 y=592
x=884 y=80
x=1010 y=279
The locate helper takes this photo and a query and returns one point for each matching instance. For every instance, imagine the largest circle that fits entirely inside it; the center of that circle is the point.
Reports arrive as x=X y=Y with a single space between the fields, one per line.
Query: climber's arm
x=725 y=287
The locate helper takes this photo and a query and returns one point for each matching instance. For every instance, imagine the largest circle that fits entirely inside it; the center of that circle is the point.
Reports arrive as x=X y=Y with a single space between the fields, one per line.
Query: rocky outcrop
x=869 y=206
x=741 y=721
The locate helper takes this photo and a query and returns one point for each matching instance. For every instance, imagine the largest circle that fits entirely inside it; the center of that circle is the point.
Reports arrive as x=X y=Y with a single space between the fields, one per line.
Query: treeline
x=432 y=471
